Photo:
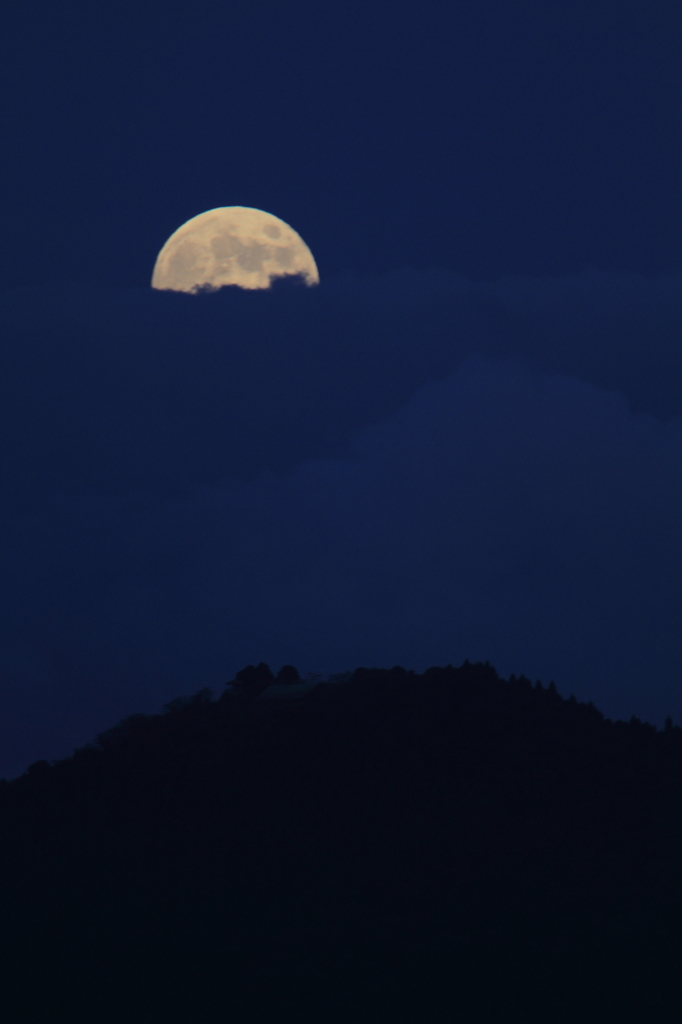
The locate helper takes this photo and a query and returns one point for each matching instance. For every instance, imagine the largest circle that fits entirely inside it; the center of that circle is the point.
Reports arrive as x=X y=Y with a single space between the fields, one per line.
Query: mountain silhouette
x=380 y=846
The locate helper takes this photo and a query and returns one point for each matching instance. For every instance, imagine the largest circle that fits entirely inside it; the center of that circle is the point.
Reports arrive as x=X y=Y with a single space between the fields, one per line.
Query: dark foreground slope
x=398 y=848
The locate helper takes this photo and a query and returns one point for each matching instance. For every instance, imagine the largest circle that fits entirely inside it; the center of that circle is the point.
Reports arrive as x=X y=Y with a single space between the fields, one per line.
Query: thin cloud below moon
x=232 y=245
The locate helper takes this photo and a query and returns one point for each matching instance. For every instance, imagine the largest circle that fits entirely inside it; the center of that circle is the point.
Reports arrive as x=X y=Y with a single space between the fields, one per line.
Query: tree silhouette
x=288 y=674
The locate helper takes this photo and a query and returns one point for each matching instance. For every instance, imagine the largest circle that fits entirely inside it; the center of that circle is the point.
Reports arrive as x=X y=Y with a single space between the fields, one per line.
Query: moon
x=232 y=245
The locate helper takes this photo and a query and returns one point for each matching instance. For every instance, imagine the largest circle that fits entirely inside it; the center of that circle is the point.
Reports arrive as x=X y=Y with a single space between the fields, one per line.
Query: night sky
x=466 y=442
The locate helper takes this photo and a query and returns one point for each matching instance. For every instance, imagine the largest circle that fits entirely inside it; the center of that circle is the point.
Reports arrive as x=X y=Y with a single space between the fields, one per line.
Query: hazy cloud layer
x=107 y=390
x=411 y=469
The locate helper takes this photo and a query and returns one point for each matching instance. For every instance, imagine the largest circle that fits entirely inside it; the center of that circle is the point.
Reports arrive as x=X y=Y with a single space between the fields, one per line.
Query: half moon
x=232 y=245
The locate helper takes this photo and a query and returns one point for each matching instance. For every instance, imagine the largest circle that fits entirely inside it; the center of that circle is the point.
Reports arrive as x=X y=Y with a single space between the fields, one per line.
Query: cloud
x=617 y=330
x=106 y=391
x=379 y=476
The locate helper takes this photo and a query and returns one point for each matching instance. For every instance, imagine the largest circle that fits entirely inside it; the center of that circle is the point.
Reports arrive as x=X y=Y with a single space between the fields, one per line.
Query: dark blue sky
x=467 y=442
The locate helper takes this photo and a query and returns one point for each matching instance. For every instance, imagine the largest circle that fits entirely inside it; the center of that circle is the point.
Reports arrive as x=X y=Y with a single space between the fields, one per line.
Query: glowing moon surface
x=232 y=245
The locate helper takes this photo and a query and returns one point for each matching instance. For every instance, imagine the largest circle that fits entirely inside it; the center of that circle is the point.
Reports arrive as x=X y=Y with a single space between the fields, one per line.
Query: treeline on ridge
x=386 y=845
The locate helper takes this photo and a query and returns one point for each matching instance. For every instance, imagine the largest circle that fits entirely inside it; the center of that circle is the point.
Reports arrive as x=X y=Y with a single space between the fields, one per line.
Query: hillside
x=389 y=846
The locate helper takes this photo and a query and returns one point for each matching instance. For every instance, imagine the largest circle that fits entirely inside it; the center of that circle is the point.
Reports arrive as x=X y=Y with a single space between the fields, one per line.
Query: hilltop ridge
x=386 y=845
